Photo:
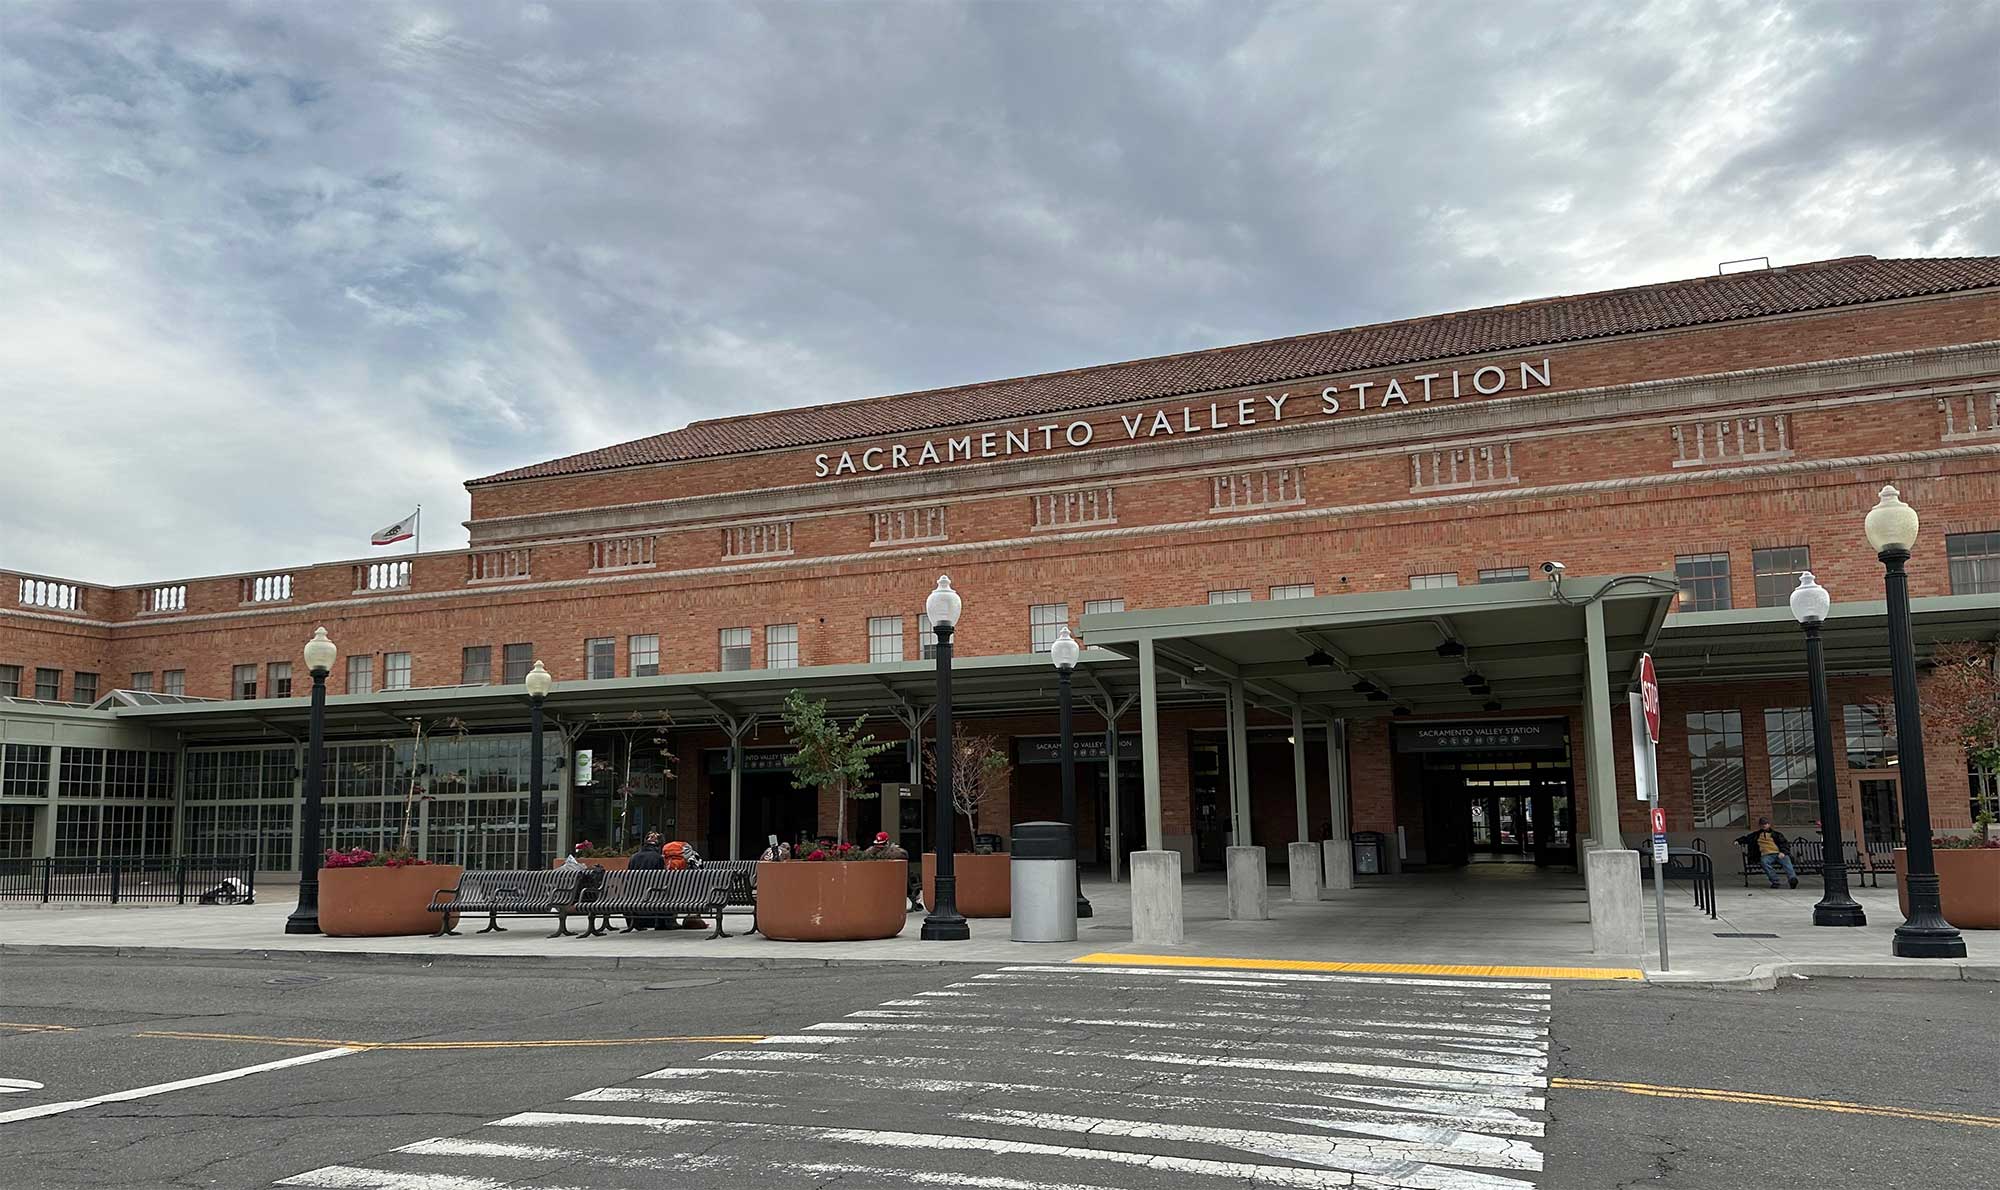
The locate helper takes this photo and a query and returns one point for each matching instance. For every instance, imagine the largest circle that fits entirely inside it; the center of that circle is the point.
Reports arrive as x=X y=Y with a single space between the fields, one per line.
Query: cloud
x=269 y=275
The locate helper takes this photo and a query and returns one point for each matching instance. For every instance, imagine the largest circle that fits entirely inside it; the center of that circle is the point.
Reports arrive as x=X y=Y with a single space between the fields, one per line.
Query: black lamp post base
x=1083 y=906
x=1843 y=912
x=939 y=928
x=1924 y=942
x=302 y=922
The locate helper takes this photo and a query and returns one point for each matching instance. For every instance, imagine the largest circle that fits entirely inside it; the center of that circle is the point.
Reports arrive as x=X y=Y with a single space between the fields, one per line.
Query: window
x=395 y=671
x=1432 y=582
x=1776 y=573
x=48 y=684
x=735 y=649
x=1504 y=574
x=1043 y=621
x=84 y=687
x=173 y=681
x=1871 y=736
x=1788 y=736
x=142 y=680
x=475 y=665
x=10 y=681
x=1092 y=607
x=1985 y=790
x=1704 y=582
x=279 y=675
x=643 y=655
x=926 y=637
x=1293 y=591
x=361 y=674
x=600 y=658
x=1974 y=561
x=515 y=662
x=885 y=638
x=243 y=682
x=1715 y=768
x=781 y=646
x=1234 y=595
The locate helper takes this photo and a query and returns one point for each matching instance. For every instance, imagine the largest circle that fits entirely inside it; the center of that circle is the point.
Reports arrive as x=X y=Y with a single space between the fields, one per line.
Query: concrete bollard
x=1156 y=898
x=1304 y=861
x=1249 y=884
x=1339 y=855
x=1617 y=918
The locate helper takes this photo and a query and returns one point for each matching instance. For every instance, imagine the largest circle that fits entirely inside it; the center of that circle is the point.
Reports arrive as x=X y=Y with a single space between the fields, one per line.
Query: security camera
x=1553 y=569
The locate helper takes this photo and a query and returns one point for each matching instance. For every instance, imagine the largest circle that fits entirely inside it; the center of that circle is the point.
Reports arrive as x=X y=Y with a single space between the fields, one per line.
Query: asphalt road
x=467 y=1078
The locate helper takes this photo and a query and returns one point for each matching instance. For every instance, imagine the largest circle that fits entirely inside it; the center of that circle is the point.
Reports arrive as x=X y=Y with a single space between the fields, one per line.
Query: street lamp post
x=539 y=681
x=319 y=655
x=944 y=924
x=1064 y=652
x=1810 y=603
x=1924 y=934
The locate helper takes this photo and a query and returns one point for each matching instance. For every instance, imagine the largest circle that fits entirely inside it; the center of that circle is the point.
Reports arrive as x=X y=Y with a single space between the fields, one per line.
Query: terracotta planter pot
x=985 y=883
x=833 y=901
x=382 y=902
x=1968 y=886
x=610 y=863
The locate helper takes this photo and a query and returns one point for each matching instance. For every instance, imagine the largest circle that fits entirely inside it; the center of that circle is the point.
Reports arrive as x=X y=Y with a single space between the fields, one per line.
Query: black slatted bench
x=655 y=894
x=1881 y=862
x=742 y=885
x=552 y=892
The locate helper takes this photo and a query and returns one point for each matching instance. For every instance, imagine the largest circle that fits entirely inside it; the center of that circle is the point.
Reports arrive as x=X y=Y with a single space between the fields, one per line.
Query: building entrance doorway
x=1491 y=792
x=1880 y=823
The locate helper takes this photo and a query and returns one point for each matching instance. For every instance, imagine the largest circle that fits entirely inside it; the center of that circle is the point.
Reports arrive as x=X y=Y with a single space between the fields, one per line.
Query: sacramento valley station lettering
x=1183 y=419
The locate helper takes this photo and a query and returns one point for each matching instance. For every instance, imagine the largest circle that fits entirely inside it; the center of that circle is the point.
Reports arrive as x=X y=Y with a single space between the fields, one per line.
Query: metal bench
x=1881 y=861
x=742 y=885
x=655 y=894
x=527 y=893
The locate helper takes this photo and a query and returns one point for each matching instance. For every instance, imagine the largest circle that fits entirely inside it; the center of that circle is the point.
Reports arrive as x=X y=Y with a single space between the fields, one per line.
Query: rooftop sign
x=1188 y=419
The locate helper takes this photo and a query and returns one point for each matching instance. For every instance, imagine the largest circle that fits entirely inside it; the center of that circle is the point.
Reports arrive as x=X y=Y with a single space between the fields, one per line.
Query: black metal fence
x=178 y=879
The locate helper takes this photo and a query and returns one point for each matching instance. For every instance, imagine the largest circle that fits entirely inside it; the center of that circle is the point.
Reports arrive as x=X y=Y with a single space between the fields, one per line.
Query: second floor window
x=1044 y=619
x=475 y=665
x=926 y=637
x=243 y=682
x=1974 y=562
x=600 y=658
x=1432 y=582
x=1504 y=574
x=84 y=687
x=1093 y=607
x=10 y=681
x=173 y=681
x=142 y=680
x=395 y=671
x=1233 y=595
x=735 y=644
x=280 y=675
x=361 y=674
x=781 y=646
x=1293 y=591
x=48 y=684
x=1704 y=582
x=515 y=662
x=1776 y=573
x=885 y=639
x=643 y=655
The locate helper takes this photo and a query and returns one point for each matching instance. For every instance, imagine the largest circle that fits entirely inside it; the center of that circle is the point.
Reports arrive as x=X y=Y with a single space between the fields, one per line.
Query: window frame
x=635 y=650
x=781 y=646
x=1971 y=573
x=10 y=680
x=1719 y=597
x=1773 y=577
x=173 y=681
x=727 y=642
x=48 y=684
x=1222 y=596
x=1095 y=607
x=1294 y=591
x=880 y=652
x=1436 y=580
x=1793 y=765
x=393 y=664
x=77 y=690
x=1045 y=622
x=243 y=682
x=466 y=670
x=521 y=654
x=600 y=658
x=278 y=679
x=1504 y=574
x=1701 y=737
x=362 y=664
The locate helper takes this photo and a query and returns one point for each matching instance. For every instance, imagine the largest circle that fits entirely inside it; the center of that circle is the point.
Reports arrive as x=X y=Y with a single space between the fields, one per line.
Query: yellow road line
x=449 y=1045
x=1757 y=1099
x=1486 y=971
x=27 y=1028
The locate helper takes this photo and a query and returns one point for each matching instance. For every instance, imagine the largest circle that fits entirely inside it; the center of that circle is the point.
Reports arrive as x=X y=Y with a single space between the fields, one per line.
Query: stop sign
x=1649 y=696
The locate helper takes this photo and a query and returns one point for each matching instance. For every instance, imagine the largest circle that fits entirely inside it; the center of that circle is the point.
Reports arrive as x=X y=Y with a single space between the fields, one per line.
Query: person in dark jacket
x=649 y=858
x=1772 y=850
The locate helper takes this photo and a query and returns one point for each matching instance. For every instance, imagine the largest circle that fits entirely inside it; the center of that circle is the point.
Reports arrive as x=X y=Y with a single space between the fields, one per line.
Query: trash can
x=1043 y=876
x=1368 y=853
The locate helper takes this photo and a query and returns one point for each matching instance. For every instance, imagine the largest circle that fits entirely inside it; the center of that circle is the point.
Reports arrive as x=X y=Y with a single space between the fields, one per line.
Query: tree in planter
x=827 y=756
x=977 y=768
x=417 y=790
x=1962 y=698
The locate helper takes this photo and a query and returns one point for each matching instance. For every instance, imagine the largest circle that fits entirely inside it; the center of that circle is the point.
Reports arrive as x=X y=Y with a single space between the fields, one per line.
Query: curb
x=1765 y=977
x=547 y=964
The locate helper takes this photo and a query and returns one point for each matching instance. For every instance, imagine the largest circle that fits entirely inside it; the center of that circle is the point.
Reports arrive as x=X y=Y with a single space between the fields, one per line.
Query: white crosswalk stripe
x=1057 y=1078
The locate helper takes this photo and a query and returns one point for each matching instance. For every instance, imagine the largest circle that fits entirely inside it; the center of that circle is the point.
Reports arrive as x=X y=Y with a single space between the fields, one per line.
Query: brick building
x=1720 y=434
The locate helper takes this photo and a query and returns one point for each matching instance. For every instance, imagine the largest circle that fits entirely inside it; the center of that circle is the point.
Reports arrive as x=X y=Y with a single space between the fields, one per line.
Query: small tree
x=976 y=768
x=1962 y=699
x=418 y=790
x=826 y=755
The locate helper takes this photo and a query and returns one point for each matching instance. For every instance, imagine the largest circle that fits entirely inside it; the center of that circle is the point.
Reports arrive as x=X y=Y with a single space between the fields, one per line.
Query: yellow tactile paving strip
x=1488 y=971
x=1755 y=1099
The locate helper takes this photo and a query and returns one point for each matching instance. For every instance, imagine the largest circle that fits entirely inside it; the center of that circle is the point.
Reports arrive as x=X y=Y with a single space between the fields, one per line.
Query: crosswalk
x=1061 y=1078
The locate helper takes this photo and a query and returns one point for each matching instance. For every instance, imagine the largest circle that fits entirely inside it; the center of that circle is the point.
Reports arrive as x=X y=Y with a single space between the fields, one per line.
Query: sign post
x=1645 y=756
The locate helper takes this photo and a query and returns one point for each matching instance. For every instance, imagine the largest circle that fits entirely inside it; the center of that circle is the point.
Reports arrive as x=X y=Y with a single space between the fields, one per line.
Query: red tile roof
x=1817 y=286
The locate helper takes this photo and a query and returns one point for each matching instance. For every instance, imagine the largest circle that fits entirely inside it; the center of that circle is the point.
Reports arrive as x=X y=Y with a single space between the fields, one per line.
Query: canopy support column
x=1239 y=766
x=1299 y=772
x=1601 y=758
x=1338 y=851
x=1149 y=745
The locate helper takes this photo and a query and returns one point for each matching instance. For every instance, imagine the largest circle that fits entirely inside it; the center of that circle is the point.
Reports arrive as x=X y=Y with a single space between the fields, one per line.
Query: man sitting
x=1772 y=850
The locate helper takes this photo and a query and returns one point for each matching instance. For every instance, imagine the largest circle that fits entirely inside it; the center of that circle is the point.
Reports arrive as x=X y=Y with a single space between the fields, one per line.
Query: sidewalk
x=1502 y=916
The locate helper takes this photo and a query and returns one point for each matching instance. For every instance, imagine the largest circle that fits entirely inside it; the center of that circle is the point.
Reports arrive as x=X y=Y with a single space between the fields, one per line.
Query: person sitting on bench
x=1772 y=850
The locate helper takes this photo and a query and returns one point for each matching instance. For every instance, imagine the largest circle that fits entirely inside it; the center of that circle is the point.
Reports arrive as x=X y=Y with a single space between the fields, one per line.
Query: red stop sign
x=1649 y=696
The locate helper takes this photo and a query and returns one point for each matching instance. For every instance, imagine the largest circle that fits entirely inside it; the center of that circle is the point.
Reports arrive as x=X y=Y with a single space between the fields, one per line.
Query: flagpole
x=417 y=533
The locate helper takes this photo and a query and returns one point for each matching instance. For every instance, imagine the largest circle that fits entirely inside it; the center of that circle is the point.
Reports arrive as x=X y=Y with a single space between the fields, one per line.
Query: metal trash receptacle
x=1043 y=883
x=1368 y=853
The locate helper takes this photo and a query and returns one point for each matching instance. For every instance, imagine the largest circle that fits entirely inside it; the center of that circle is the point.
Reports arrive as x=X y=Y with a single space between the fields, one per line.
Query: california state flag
x=402 y=530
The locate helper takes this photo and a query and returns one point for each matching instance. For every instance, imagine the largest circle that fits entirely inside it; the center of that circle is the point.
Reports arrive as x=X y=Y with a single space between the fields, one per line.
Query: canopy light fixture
x=1319 y=658
x=1377 y=696
x=1399 y=712
x=1451 y=648
x=1364 y=686
x=1475 y=678
x=1491 y=704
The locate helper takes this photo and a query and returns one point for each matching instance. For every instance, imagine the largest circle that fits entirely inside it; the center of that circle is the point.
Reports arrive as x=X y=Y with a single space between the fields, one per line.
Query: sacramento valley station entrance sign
x=1181 y=420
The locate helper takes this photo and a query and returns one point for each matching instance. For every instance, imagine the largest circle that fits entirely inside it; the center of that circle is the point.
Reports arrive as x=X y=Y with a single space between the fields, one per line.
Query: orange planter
x=833 y=901
x=610 y=863
x=382 y=902
x=985 y=883
x=1968 y=886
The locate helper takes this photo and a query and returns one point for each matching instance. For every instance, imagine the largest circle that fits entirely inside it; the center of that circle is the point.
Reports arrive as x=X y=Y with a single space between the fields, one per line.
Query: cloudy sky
x=272 y=274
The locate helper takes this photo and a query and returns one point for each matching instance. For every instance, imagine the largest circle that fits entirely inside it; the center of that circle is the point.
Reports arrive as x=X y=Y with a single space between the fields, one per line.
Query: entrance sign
x=1047 y=749
x=1649 y=696
x=583 y=758
x=1646 y=773
x=1480 y=737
